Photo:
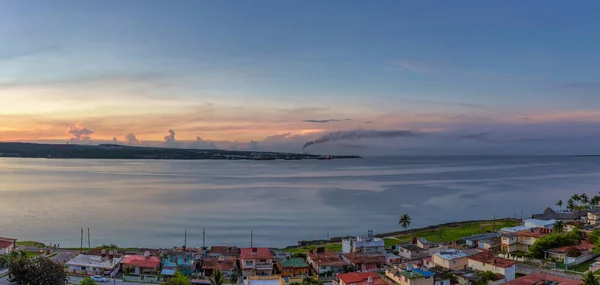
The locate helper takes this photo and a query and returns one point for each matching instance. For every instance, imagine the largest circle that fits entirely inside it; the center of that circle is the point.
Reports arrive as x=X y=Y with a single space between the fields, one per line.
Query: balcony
x=264 y=266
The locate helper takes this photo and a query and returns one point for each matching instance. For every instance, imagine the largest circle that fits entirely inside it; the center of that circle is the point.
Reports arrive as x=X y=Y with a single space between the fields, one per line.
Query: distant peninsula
x=115 y=151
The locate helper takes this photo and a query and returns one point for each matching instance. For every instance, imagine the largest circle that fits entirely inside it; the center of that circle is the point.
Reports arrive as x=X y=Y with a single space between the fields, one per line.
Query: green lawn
x=31 y=244
x=448 y=234
x=583 y=267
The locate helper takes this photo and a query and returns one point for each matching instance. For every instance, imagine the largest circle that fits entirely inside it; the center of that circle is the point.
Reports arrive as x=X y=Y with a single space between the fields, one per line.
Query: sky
x=493 y=77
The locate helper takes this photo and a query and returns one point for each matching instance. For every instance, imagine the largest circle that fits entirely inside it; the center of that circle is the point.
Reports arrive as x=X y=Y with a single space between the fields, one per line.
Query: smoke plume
x=131 y=139
x=78 y=132
x=360 y=134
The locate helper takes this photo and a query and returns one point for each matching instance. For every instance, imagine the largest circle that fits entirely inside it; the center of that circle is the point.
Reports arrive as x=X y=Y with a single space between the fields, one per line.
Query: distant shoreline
x=114 y=151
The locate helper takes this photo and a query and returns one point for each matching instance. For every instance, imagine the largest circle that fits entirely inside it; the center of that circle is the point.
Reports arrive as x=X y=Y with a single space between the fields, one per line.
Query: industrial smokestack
x=359 y=134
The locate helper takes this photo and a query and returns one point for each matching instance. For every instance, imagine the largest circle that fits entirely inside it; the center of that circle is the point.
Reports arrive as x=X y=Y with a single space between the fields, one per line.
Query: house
x=391 y=259
x=490 y=244
x=264 y=280
x=487 y=261
x=513 y=229
x=412 y=251
x=326 y=262
x=364 y=262
x=535 y=223
x=369 y=244
x=538 y=279
x=593 y=218
x=453 y=258
x=223 y=251
x=256 y=261
x=473 y=240
x=550 y=214
x=428 y=262
x=423 y=243
x=410 y=276
x=179 y=260
x=469 y=276
x=279 y=254
x=227 y=265
x=7 y=245
x=293 y=267
x=140 y=264
x=571 y=255
x=358 y=278
x=522 y=240
x=441 y=276
x=93 y=264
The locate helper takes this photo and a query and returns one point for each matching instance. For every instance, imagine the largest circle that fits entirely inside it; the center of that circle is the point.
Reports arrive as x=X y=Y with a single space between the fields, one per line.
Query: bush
x=555 y=240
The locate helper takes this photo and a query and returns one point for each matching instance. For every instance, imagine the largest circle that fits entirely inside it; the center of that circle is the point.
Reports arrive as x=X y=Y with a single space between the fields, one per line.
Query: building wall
x=457 y=263
x=346 y=246
x=509 y=272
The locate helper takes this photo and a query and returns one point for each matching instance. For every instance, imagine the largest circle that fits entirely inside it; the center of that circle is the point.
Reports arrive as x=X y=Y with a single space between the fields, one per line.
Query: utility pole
x=185 y=239
x=89 y=242
x=494 y=222
x=203 y=238
x=251 y=239
x=81 y=246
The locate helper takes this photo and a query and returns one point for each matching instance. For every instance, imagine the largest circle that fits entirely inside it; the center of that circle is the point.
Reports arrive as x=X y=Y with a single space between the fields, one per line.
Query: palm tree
x=595 y=201
x=590 y=279
x=584 y=199
x=559 y=204
x=571 y=204
x=576 y=198
x=559 y=226
x=217 y=278
x=404 y=221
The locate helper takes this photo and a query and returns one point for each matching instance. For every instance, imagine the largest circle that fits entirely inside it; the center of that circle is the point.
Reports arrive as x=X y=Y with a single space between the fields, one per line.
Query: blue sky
x=204 y=67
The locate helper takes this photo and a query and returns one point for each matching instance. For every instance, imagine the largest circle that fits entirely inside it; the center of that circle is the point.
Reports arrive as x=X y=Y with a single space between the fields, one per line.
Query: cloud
x=411 y=67
x=115 y=139
x=581 y=85
x=170 y=138
x=360 y=134
x=253 y=145
x=130 y=139
x=26 y=53
x=203 y=144
x=79 y=133
x=325 y=120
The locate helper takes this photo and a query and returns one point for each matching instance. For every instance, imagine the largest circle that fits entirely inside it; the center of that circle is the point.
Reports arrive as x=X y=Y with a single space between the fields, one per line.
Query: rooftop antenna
x=89 y=242
x=203 y=238
x=251 y=239
x=81 y=246
x=184 y=239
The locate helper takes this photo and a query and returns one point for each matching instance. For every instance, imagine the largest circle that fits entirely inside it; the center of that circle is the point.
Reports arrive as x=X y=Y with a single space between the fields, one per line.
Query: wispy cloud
x=413 y=67
x=324 y=120
x=581 y=85
x=26 y=53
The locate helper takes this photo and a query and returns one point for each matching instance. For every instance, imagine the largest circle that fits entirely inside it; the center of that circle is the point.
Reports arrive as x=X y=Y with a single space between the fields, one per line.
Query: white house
x=487 y=261
x=93 y=264
x=534 y=223
x=7 y=245
x=369 y=244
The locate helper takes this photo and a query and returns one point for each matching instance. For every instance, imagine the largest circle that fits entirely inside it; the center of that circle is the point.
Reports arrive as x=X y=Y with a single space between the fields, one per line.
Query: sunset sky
x=472 y=73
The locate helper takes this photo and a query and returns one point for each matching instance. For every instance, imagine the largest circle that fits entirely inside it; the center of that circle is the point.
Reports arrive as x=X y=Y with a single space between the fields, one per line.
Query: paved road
x=556 y=272
x=76 y=280
x=64 y=256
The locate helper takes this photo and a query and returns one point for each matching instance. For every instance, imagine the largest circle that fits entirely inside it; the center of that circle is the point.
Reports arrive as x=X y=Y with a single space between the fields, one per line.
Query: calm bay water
x=150 y=203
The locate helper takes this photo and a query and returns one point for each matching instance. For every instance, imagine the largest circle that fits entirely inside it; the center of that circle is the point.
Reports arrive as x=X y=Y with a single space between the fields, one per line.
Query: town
x=553 y=247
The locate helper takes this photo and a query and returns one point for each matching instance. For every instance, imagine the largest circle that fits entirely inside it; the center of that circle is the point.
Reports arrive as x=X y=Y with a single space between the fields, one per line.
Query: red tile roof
x=364 y=258
x=225 y=250
x=257 y=252
x=8 y=239
x=583 y=246
x=488 y=257
x=535 y=233
x=141 y=261
x=360 y=278
x=227 y=264
x=327 y=259
x=5 y=244
x=538 y=278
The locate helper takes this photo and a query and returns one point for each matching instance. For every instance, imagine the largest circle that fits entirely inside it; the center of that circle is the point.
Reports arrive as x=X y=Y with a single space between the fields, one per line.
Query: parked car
x=99 y=278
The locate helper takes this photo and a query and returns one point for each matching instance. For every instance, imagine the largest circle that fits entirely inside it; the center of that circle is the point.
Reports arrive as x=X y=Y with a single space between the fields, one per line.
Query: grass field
x=29 y=243
x=447 y=234
x=583 y=267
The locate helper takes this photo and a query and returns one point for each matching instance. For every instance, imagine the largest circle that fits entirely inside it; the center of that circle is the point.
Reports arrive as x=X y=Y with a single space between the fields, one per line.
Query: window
x=185 y=260
x=453 y=261
x=263 y=260
x=83 y=268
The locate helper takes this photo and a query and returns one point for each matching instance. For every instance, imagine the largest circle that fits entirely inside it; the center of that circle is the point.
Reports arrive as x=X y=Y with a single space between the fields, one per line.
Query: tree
x=405 y=221
x=576 y=198
x=217 y=278
x=559 y=227
x=485 y=277
x=571 y=204
x=555 y=240
x=3 y=261
x=559 y=204
x=36 y=271
x=178 y=279
x=594 y=236
x=88 y=281
x=590 y=279
x=311 y=281
x=595 y=201
x=584 y=199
